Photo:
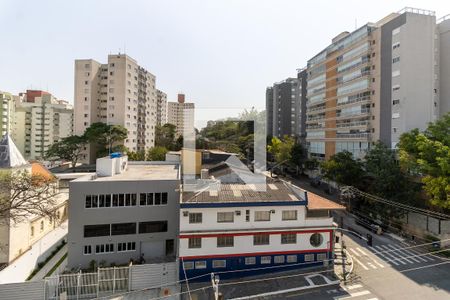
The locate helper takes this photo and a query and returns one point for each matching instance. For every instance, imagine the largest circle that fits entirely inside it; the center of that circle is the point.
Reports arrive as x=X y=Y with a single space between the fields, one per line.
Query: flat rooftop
x=140 y=172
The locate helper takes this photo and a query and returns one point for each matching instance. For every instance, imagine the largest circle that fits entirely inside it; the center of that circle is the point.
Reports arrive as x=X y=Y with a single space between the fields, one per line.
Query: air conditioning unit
x=272 y=211
x=185 y=214
x=237 y=212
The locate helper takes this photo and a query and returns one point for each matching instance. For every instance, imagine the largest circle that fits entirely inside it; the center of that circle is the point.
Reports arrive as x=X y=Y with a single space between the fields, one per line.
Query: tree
x=136 y=156
x=281 y=149
x=165 y=135
x=387 y=179
x=69 y=148
x=298 y=155
x=157 y=153
x=343 y=169
x=427 y=154
x=105 y=136
x=23 y=195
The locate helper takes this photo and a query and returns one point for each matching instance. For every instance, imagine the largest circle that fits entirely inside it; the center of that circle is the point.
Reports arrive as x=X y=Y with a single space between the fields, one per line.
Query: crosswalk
x=388 y=255
x=355 y=291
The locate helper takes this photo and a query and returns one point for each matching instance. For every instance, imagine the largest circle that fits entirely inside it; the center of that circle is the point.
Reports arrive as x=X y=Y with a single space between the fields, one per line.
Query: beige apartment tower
x=181 y=114
x=161 y=108
x=119 y=92
x=374 y=83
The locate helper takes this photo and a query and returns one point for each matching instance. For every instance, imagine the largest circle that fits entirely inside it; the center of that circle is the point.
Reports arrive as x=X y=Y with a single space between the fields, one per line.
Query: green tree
x=106 y=136
x=165 y=135
x=136 y=156
x=281 y=149
x=387 y=179
x=69 y=148
x=343 y=169
x=157 y=153
x=298 y=156
x=427 y=154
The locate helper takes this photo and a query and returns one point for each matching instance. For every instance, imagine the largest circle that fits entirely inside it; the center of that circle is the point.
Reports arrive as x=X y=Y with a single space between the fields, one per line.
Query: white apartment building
x=234 y=230
x=40 y=120
x=119 y=92
x=7 y=110
x=181 y=114
x=161 y=105
x=126 y=210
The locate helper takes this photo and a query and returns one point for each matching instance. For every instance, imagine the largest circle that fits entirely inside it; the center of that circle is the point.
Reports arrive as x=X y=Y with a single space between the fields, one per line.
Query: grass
x=41 y=264
x=56 y=265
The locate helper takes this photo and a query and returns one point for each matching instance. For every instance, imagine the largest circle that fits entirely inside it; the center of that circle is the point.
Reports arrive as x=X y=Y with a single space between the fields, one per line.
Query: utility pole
x=343 y=250
x=215 y=285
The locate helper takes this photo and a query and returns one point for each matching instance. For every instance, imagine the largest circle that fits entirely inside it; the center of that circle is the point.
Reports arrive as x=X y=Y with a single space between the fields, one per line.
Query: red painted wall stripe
x=186 y=236
x=253 y=254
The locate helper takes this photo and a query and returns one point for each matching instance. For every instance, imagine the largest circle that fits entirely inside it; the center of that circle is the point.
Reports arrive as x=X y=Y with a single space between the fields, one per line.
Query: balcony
x=353 y=124
x=363 y=111
x=359 y=135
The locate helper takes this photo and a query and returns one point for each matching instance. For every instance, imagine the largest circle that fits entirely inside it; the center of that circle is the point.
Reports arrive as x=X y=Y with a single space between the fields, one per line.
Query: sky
x=221 y=53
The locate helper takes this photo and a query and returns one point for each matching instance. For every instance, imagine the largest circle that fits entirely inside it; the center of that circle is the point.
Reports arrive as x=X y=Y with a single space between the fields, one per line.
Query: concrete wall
x=79 y=216
x=444 y=65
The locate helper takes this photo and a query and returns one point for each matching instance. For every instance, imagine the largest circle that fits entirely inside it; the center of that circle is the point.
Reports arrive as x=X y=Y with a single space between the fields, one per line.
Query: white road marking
x=360 y=250
x=352 y=287
x=404 y=253
x=426 y=257
x=388 y=260
x=352 y=295
x=372 y=266
x=362 y=265
x=373 y=299
x=356 y=253
x=389 y=254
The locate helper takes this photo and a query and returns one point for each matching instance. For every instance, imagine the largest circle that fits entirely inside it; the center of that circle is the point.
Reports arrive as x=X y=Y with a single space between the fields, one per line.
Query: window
x=123 y=247
x=396 y=87
x=289 y=215
x=316 y=240
x=219 y=263
x=309 y=257
x=266 y=260
x=153 y=226
x=395 y=101
x=250 y=260
x=188 y=265
x=195 y=243
x=87 y=250
x=195 y=218
x=32 y=231
x=394 y=130
x=247 y=215
x=104 y=248
x=279 y=259
x=225 y=217
x=289 y=238
x=123 y=228
x=396 y=45
x=261 y=239
x=321 y=256
x=262 y=216
x=291 y=258
x=200 y=264
x=96 y=230
x=225 y=241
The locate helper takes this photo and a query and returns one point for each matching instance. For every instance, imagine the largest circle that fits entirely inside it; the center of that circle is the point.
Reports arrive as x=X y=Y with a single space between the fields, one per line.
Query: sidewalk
x=339 y=262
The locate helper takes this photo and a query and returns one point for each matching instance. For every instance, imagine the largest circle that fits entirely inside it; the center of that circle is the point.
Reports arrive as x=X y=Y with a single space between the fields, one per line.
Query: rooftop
x=316 y=202
x=271 y=191
x=141 y=171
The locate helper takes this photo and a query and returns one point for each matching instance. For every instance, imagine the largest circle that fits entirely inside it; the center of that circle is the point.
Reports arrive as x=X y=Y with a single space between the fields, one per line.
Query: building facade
x=285 y=107
x=181 y=114
x=374 y=83
x=125 y=211
x=120 y=92
x=234 y=230
x=18 y=235
x=7 y=111
x=40 y=120
x=161 y=108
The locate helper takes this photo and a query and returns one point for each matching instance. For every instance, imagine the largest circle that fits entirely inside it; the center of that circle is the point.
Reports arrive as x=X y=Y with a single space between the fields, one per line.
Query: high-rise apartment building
x=285 y=107
x=181 y=114
x=161 y=108
x=444 y=64
x=7 y=110
x=374 y=83
x=119 y=92
x=40 y=120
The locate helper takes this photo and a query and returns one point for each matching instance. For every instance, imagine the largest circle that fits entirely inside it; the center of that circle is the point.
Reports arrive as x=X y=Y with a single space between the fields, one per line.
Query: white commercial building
x=235 y=229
